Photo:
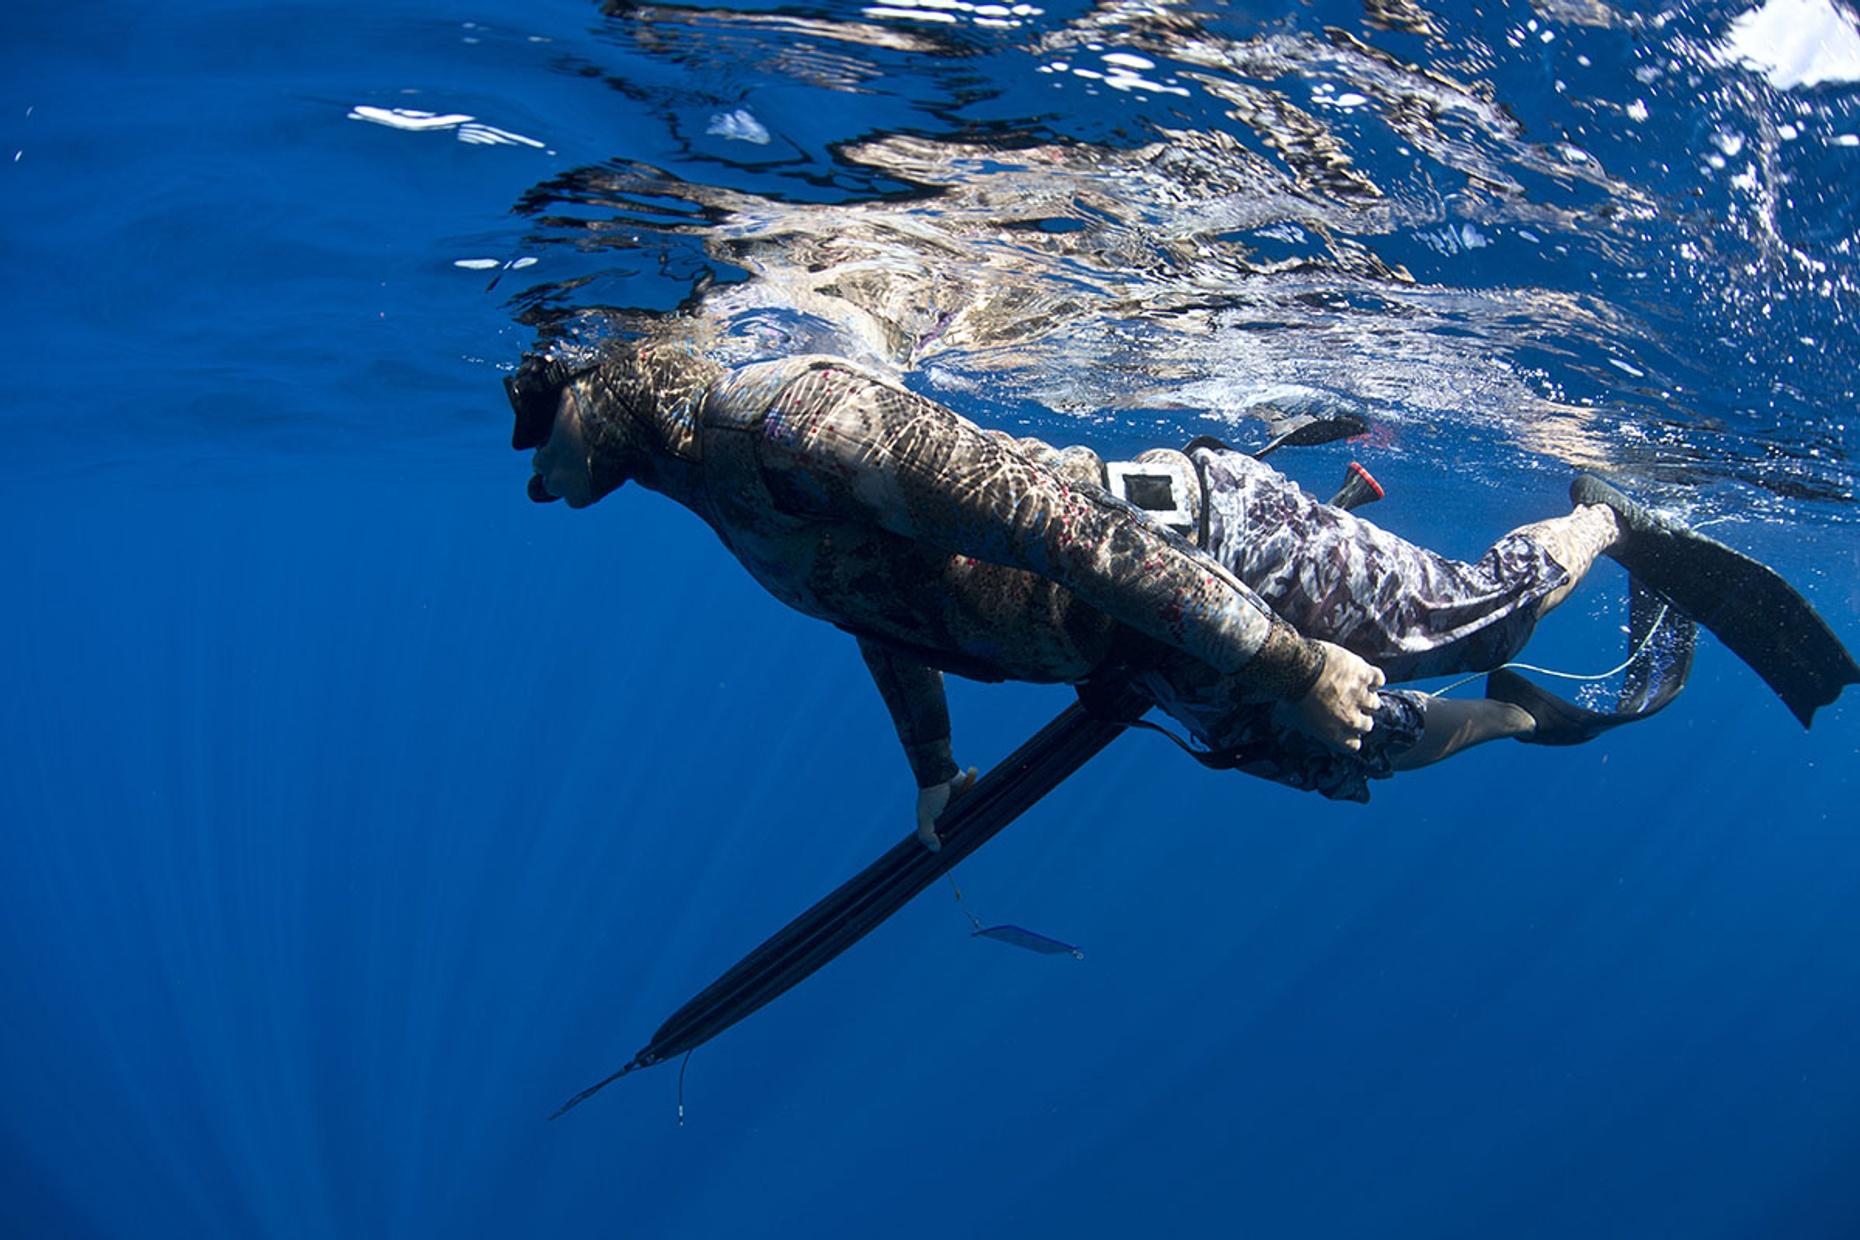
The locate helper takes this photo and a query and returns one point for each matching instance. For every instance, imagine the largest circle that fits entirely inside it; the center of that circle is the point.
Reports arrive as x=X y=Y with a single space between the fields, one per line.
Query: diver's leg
x=1573 y=542
x=1449 y=725
x=1406 y=609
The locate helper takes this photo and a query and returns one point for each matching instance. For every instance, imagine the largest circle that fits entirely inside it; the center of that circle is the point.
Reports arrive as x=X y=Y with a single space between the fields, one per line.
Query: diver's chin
x=578 y=494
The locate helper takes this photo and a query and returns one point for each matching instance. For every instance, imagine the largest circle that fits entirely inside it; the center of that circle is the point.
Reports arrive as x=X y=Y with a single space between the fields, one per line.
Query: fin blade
x=1760 y=616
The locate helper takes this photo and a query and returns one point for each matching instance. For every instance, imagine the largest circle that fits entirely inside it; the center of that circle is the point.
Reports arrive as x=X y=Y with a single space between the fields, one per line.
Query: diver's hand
x=932 y=801
x=1337 y=710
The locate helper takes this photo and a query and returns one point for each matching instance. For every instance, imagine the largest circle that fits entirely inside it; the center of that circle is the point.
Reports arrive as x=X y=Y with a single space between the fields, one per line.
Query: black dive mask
x=535 y=391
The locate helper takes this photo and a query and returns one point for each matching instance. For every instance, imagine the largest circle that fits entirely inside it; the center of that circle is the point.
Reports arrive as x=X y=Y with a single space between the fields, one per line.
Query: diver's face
x=561 y=465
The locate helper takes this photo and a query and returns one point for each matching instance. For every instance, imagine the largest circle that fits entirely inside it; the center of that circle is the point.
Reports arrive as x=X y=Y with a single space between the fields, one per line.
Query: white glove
x=932 y=801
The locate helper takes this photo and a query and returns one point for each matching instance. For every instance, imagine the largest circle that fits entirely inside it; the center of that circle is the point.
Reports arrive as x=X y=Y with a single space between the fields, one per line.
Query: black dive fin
x=1661 y=640
x=861 y=903
x=1747 y=604
x=1306 y=430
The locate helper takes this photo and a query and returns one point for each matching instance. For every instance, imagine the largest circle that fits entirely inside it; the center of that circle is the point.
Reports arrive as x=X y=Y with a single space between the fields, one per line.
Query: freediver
x=1267 y=623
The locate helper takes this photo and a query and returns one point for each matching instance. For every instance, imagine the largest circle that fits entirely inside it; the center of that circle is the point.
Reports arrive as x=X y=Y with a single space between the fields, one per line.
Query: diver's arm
x=913 y=694
x=843 y=442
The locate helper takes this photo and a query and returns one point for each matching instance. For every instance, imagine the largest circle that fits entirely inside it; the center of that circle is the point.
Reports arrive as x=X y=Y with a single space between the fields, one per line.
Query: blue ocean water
x=355 y=811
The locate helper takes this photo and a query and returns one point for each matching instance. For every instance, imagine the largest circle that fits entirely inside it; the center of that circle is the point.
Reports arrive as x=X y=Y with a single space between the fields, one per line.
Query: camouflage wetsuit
x=943 y=547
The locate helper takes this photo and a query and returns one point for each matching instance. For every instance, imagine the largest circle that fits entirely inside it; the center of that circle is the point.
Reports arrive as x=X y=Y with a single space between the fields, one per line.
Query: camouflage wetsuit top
x=944 y=547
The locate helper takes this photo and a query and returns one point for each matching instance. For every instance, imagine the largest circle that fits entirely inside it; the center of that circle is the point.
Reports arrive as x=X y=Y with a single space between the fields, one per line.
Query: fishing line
x=973 y=919
x=1653 y=631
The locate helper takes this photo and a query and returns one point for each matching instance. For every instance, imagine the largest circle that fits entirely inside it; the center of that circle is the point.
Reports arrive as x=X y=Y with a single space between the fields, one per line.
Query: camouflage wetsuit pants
x=1335 y=576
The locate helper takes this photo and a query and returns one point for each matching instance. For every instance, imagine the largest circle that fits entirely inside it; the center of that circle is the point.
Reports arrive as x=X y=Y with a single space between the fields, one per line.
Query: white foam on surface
x=407 y=118
x=881 y=10
x=992 y=15
x=1796 y=43
x=465 y=128
x=739 y=126
x=1124 y=79
x=489 y=264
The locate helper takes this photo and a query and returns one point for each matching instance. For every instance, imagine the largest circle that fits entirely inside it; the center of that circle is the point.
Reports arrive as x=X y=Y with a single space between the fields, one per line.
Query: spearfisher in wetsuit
x=943 y=547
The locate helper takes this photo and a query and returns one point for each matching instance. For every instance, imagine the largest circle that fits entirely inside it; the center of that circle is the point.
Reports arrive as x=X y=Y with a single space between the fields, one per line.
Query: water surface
x=357 y=811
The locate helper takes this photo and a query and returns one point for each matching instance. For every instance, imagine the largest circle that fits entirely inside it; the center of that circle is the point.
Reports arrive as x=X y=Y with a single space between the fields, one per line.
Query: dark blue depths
x=353 y=811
